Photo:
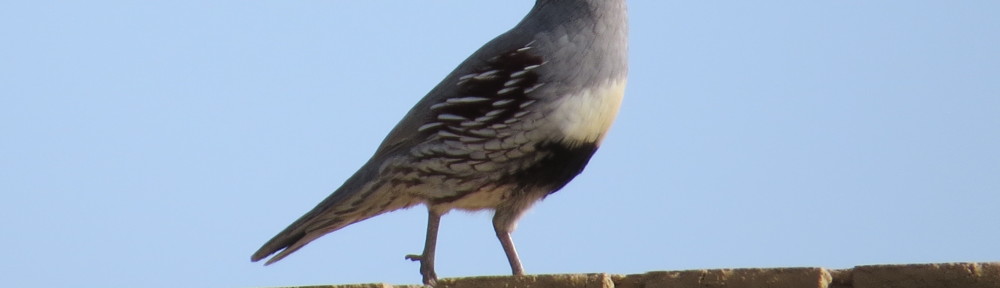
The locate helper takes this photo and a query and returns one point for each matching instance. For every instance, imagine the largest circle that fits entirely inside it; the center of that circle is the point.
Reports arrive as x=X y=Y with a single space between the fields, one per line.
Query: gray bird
x=512 y=124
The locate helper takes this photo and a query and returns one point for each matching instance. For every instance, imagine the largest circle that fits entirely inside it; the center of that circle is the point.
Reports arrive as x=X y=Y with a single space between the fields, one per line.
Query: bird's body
x=513 y=123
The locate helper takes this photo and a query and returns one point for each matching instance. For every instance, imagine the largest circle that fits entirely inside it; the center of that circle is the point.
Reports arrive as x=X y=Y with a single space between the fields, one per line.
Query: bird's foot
x=426 y=269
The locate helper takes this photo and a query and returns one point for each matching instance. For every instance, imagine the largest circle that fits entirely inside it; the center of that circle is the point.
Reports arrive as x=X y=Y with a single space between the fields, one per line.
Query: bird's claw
x=426 y=269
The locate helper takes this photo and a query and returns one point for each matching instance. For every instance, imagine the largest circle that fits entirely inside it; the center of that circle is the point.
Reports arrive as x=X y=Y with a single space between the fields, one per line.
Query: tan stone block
x=841 y=278
x=942 y=275
x=597 y=280
x=740 y=278
x=629 y=281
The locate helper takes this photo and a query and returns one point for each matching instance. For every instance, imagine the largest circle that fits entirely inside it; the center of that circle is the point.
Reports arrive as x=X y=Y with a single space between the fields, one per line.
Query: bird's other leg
x=503 y=224
x=427 y=258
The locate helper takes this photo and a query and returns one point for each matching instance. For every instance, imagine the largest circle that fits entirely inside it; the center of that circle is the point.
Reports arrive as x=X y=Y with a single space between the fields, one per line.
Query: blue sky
x=159 y=144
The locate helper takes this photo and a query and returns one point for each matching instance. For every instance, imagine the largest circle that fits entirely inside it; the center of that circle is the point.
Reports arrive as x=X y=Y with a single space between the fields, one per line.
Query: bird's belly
x=484 y=198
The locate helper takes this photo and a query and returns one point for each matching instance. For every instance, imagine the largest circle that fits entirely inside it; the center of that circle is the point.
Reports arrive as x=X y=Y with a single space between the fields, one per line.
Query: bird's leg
x=427 y=258
x=503 y=233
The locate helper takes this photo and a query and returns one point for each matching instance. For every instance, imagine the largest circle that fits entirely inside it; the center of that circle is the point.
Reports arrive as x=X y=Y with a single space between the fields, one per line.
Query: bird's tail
x=361 y=197
x=294 y=237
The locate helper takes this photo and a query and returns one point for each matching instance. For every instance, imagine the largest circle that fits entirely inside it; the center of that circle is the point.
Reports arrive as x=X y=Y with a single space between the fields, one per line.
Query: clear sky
x=160 y=143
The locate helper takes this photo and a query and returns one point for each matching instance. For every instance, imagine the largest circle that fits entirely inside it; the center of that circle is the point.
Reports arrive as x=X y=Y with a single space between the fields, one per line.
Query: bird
x=513 y=123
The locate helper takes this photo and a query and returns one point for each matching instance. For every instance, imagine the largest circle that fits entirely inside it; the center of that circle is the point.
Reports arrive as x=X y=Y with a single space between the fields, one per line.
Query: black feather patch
x=560 y=165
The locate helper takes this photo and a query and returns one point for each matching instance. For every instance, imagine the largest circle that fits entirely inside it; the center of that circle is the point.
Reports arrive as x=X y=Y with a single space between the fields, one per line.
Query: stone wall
x=943 y=275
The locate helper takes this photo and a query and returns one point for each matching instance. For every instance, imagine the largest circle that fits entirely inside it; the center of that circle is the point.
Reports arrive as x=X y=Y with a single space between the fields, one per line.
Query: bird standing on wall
x=513 y=123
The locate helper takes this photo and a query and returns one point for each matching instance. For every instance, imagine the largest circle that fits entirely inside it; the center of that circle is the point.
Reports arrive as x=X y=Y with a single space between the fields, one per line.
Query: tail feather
x=312 y=225
x=286 y=245
x=326 y=217
x=274 y=245
x=355 y=201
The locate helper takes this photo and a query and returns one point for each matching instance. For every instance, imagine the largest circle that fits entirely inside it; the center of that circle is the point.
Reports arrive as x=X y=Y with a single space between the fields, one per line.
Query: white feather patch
x=586 y=116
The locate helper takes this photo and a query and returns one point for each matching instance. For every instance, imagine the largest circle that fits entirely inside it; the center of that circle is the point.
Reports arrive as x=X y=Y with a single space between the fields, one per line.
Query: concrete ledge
x=370 y=285
x=945 y=275
x=729 y=278
x=941 y=275
x=597 y=280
